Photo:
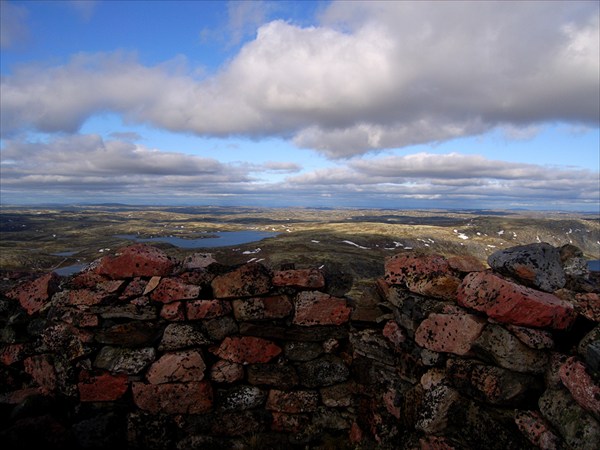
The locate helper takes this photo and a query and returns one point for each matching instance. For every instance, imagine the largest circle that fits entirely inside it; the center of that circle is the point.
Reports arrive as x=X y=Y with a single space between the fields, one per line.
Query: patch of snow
x=463 y=236
x=456 y=231
x=252 y=252
x=408 y=248
x=478 y=233
x=537 y=238
x=491 y=246
x=356 y=245
x=321 y=266
x=315 y=242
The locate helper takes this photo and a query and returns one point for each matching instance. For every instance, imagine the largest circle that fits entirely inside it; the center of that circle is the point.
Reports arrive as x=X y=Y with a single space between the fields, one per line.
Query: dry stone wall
x=142 y=351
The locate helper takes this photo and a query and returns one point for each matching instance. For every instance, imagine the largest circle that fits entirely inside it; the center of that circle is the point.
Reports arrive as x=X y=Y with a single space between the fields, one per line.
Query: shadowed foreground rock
x=145 y=352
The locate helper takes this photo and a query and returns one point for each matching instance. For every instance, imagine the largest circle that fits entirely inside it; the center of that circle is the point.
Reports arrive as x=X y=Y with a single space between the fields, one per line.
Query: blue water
x=594 y=265
x=222 y=239
x=69 y=270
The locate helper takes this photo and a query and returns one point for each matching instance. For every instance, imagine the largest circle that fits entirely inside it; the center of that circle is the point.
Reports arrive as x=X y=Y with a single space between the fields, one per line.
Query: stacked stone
x=143 y=352
x=506 y=357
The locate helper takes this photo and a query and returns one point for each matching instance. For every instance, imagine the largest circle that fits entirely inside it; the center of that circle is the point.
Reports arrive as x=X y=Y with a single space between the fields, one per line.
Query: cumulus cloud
x=87 y=162
x=453 y=177
x=372 y=75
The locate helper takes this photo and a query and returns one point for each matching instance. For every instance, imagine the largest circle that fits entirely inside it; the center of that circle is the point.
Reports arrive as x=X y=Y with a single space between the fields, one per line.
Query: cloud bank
x=371 y=76
x=94 y=168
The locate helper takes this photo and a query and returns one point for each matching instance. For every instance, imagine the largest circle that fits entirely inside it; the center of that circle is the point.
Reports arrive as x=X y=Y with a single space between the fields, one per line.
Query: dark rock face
x=535 y=265
x=145 y=352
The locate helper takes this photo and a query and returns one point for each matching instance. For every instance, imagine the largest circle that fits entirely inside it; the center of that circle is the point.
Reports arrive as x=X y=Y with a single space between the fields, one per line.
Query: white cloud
x=452 y=177
x=373 y=75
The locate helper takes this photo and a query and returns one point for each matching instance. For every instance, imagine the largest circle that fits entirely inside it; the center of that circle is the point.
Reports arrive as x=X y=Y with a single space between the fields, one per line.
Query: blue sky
x=344 y=104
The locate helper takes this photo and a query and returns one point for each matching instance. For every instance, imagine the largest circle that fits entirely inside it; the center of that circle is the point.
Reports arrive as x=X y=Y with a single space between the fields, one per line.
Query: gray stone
x=536 y=265
x=324 y=371
x=221 y=327
x=578 y=428
x=506 y=350
x=177 y=336
x=242 y=398
x=302 y=351
x=129 y=361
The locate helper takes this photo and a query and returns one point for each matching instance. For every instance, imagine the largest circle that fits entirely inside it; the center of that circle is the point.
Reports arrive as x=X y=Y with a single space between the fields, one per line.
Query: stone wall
x=141 y=351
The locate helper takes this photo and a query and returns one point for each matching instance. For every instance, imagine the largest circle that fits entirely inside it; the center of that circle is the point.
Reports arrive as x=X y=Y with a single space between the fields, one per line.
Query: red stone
x=355 y=435
x=532 y=337
x=289 y=423
x=429 y=275
x=16 y=397
x=174 y=312
x=176 y=367
x=207 y=309
x=172 y=289
x=394 y=333
x=248 y=280
x=585 y=304
x=435 y=443
x=389 y=400
x=88 y=280
x=247 y=350
x=578 y=381
x=140 y=260
x=299 y=278
x=109 y=286
x=101 y=387
x=317 y=308
x=85 y=297
x=12 y=353
x=41 y=369
x=262 y=308
x=537 y=430
x=508 y=302
x=292 y=402
x=226 y=372
x=34 y=295
x=174 y=398
x=134 y=288
x=449 y=333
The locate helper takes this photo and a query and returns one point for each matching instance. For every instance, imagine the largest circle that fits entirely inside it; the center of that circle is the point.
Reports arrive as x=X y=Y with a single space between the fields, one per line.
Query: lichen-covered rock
x=129 y=334
x=126 y=360
x=262 y=308
x=173 y=289
x=502 y=347
x=537 y=265
x=249 y=280
x=450 y=333
x=241 y=398
x=178 y=336
x=207 y=309
x=576 y=426
x=292 y=402
x=224 y=371
x=101 y=386
x=140 y=260
x=317 y=308
x=429 y=275
x=537 y=430
x=280 y=376
x=508 y=302
x=177 y=367
x=34 y=295
x=300 y=278
x=247 y=350
x=174 y=398
x=583 y=388
x=323 y=371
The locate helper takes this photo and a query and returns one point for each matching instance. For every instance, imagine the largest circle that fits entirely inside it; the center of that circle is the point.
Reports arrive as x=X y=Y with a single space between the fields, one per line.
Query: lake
x=594 y=265
x=221 y=239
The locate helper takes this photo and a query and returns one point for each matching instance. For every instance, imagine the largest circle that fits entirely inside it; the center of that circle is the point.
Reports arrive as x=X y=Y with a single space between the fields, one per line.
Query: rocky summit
x=143 y=351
